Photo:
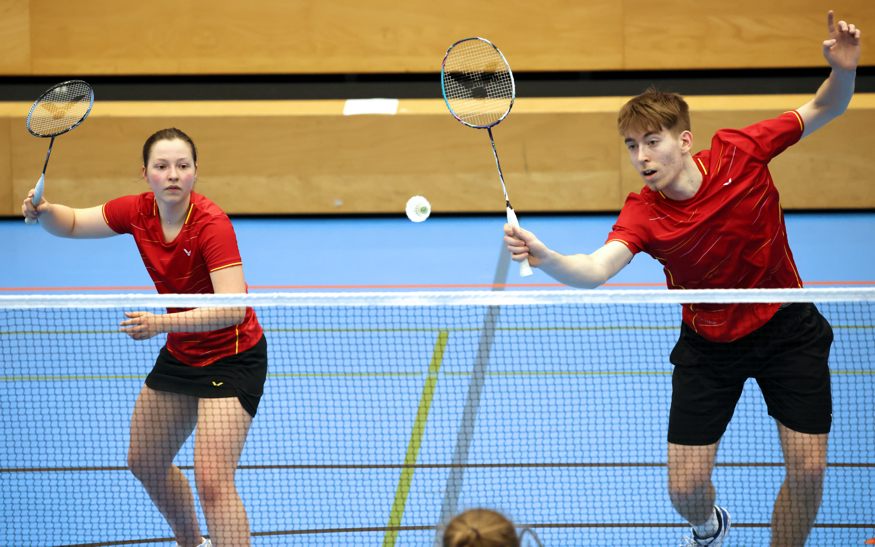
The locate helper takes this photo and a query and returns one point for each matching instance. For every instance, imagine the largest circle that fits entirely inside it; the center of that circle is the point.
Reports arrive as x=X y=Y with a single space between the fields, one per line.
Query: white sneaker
x=723 y=523
x=206 y=543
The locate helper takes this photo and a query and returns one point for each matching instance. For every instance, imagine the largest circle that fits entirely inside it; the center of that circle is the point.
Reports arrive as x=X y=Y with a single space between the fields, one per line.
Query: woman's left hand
x=140 y=325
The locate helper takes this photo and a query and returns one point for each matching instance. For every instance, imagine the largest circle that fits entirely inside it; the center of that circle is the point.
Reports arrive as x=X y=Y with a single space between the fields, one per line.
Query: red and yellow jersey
x=205 y=244
x=730 y=235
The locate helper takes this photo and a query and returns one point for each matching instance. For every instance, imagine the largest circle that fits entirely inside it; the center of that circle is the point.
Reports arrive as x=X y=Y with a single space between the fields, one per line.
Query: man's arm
x=579 y=270
x=842 y=52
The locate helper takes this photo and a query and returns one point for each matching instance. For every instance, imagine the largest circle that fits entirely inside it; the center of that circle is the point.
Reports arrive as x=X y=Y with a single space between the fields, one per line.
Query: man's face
x=658 y=156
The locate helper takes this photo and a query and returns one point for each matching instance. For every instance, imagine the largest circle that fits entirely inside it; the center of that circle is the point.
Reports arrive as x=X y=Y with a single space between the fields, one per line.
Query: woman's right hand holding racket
x=523 y=245
x=30 y=211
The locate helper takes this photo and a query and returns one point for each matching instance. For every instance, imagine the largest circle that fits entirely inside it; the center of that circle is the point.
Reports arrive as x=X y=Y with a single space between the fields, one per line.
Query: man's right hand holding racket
x=523 y=245
x=579 y=270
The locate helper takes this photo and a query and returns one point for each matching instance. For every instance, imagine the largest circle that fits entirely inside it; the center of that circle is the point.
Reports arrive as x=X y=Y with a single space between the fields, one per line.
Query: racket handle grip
x=525 y=268
x=37 y=196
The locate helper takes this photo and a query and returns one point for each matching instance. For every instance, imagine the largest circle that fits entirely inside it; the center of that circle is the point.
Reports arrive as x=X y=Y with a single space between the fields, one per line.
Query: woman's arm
x=142 y=325
x=64 y=221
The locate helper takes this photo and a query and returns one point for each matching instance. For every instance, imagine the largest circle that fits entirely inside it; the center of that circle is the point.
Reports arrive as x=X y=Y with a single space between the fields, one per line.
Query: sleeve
x=766 y=139
x=219 y=244
x=119 y=213
x=628 y=229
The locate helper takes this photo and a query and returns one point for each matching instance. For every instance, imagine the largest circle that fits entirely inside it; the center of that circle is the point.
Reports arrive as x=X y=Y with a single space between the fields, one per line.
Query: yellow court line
x=396 y=514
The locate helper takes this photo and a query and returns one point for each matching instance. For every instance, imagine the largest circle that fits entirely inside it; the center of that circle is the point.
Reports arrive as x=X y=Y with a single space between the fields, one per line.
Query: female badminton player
x=210 y=374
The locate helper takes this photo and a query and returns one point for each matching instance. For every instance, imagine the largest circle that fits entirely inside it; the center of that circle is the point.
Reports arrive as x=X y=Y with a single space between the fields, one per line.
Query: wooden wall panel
x=690 y=34
x=304 y=163
x=15 y=35
x=7 y=195
x=341 y=36
x=384 y=36
x=306 y=157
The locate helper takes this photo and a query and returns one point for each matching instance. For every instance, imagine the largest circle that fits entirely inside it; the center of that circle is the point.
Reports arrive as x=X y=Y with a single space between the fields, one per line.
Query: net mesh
x=60 y=109
x=384 y=414
x=477 y=83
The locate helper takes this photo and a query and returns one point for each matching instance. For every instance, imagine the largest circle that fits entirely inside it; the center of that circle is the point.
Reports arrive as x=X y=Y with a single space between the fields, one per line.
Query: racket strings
x=60 y=109
x=478 y=83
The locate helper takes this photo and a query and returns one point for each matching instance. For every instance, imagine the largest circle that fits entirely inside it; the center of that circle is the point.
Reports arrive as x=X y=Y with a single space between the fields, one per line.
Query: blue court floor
x=386 y=252
x=358 y=438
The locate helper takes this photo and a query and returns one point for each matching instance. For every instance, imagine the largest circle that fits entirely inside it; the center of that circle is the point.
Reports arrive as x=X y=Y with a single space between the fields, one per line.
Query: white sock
x=709 y=527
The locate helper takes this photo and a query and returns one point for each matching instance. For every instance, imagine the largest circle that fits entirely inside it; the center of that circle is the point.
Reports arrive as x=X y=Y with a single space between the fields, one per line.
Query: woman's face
x=171 y=171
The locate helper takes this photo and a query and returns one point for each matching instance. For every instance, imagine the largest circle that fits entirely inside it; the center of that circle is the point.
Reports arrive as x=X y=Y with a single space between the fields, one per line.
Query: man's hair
x=654 y=110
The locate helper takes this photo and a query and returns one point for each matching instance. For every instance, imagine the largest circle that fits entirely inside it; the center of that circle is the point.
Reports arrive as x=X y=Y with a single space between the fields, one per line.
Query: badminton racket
x=60 y=109
x=479 y=91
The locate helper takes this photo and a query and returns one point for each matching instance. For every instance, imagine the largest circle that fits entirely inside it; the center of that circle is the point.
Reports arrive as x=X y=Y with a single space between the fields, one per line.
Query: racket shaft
x=40 y=184
x=525 y=269
x=498 y=166
x=48 y=155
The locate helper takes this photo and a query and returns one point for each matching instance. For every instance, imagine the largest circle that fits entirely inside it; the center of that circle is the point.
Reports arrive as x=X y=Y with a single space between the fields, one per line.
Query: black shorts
x=240 y=376
x=788 y=357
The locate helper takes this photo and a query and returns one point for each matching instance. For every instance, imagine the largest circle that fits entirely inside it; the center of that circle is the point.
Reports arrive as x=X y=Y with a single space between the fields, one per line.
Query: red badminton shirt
x=205 y=244
x=730 y=235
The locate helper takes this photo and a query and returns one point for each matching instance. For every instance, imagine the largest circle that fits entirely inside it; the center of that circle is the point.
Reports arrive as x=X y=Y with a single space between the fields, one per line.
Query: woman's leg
x=160 y=424
x=221 y=433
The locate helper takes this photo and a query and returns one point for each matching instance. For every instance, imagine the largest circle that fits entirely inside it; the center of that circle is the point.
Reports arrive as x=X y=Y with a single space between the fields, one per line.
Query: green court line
x=55 y=332
x=396 y=514
x=342 y=375
x=70 y=378
x=349 y=374
x=561 y=328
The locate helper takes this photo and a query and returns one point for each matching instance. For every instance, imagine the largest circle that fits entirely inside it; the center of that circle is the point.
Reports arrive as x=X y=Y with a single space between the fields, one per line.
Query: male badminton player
x=713 y=220
x=211 y=372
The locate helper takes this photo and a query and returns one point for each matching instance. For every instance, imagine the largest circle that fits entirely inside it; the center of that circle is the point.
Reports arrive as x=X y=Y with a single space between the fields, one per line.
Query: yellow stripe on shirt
x=226 y=266
x=798 y=119
x=704 y=169
x=188 y=215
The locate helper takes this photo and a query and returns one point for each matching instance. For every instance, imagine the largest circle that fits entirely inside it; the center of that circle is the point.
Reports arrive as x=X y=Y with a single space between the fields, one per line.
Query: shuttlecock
x=418 y=208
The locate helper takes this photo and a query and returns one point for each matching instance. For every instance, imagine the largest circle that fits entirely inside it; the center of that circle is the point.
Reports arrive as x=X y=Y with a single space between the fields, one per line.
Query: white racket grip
x=525 y=269
x=37 y=196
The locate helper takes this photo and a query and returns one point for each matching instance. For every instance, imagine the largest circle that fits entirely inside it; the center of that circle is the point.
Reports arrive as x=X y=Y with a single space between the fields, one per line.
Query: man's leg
x=689 y=480
x=800 y=495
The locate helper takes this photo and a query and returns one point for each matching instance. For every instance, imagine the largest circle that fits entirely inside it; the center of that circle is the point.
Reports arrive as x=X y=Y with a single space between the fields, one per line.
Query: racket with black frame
x=59 y=110
x=478 y=89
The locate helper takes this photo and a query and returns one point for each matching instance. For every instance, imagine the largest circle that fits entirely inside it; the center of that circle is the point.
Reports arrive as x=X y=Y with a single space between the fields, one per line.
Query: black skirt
x=240 y=376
